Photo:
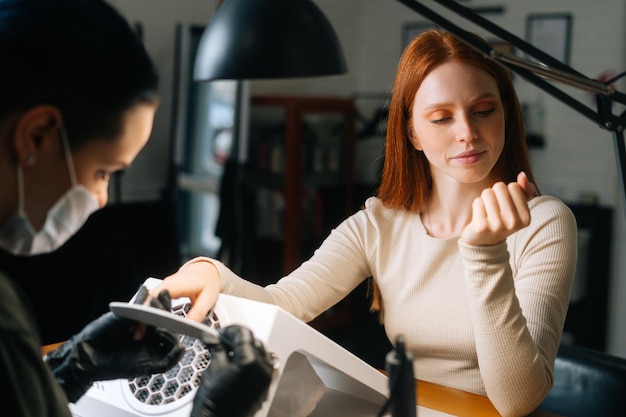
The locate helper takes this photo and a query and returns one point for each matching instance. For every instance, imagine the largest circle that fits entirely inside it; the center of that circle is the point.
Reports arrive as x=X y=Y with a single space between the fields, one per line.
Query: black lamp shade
x=255 y=39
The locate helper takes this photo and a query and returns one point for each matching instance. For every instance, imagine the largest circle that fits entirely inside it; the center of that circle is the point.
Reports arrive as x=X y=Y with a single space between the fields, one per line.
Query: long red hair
x=406 y=178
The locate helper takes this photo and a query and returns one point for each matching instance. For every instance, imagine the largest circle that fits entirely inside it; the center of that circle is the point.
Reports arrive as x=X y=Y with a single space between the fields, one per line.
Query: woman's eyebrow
x=439 y=104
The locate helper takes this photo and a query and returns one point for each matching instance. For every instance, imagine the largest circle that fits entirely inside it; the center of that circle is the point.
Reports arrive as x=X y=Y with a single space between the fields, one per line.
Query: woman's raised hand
x=499 y=211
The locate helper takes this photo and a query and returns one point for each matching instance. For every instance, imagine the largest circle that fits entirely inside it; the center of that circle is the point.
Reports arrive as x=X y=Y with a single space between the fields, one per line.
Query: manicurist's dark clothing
x=27 y=386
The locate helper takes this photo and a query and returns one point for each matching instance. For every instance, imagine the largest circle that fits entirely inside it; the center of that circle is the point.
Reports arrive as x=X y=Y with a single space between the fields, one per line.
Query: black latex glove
x=236 y=381
x=106 y=349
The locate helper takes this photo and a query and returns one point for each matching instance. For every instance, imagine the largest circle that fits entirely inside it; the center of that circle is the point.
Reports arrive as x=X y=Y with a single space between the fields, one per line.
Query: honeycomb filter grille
x=184 y=377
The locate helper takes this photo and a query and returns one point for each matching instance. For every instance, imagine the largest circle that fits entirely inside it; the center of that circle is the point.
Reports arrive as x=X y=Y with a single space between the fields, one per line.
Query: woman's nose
x=102 y=195
x=466 y=130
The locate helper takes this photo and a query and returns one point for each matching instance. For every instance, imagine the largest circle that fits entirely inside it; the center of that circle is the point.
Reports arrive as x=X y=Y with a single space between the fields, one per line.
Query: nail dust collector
x=315 y=376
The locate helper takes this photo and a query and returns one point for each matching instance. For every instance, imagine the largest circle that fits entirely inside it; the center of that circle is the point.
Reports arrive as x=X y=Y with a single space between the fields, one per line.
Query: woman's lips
x=469 y=157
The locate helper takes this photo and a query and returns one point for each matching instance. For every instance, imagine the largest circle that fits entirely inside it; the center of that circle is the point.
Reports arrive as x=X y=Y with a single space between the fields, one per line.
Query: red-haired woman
x=469 y=263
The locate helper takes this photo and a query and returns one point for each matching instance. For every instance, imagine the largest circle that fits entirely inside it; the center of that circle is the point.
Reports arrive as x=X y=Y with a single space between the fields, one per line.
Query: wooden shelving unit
x=293 y=176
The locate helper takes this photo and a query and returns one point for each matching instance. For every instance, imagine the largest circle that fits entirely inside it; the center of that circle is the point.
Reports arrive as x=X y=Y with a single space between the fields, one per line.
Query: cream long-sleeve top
x=484 y=319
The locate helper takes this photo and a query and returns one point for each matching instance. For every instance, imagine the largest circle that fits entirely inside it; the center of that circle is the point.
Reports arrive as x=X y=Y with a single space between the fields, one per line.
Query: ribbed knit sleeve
x=518 y=305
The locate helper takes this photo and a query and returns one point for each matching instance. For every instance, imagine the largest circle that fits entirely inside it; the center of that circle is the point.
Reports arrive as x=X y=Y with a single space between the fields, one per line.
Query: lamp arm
x=529 y=71
x=620 y=156
x=501 y=33
x=580 y=82
x=546 y=67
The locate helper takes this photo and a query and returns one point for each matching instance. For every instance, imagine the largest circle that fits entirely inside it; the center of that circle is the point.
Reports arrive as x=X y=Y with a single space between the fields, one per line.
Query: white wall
x=578 y=157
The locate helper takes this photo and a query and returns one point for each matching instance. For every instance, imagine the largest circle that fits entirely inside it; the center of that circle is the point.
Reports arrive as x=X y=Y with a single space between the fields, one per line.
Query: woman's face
x=96 y=160
x=458 y=122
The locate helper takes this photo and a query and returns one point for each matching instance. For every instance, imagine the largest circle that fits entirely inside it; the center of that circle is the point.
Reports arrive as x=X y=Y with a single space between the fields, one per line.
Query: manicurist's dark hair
x=79 y=55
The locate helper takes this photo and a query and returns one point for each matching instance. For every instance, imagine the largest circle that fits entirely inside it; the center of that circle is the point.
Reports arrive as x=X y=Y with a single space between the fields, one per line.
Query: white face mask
x=63 y=220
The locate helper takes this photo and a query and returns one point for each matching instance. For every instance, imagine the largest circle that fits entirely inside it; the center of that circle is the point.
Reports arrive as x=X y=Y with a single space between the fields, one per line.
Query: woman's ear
x=36 y=130
x=413 y=139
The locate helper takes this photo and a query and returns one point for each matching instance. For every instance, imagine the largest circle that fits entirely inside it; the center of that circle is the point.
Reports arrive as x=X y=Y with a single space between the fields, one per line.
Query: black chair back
x=587 y=383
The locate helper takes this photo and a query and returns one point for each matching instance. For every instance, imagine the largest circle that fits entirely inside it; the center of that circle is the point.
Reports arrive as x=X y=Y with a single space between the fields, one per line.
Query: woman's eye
x=440 y=117
x=103 y=175
x=485 y=112
x=440 y=120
